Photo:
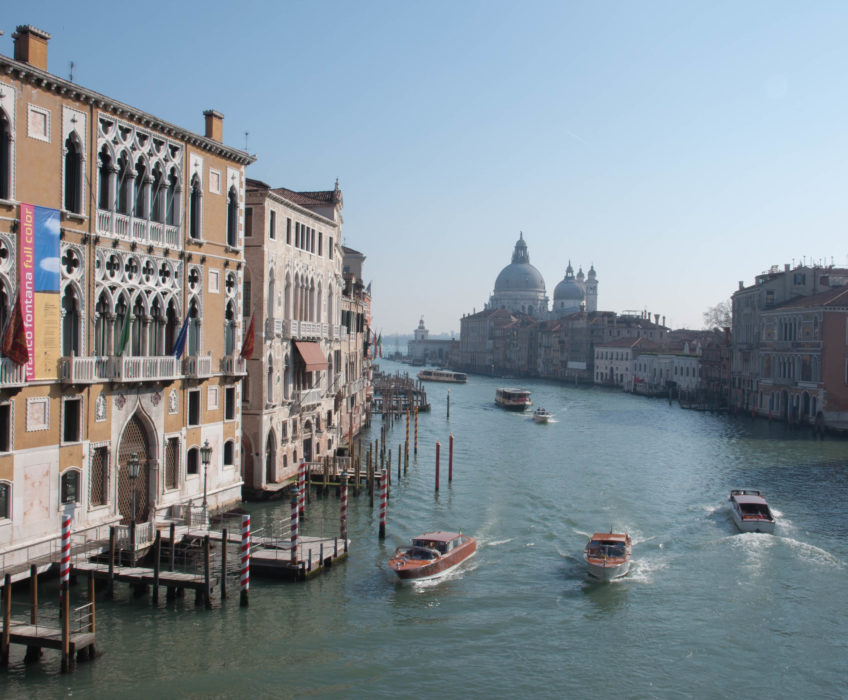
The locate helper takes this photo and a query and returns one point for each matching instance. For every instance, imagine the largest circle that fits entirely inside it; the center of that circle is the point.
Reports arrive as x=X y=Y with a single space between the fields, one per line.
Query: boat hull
x=439 y=567
x=607 y=572
x=753 y=525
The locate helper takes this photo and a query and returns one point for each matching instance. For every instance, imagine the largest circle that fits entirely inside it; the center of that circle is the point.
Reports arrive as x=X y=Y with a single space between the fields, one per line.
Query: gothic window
x=245 y=295
x=5 y=156
x=192 y=461
x=125 y=180
x=232 y=218
x=70 y=323
x=73 y=174
x=271 y=291
x=195 y=202
x=171 y=212
x=138 y=327
x=318 y=304
x=122 y=311
x=269 y=381
x=140 y=186
x=229 y=451
x=172 y=327
x=104 y=180
x=157 y=329
x=230 y=329
x=157 y=195
x=5 y=500
x=193 y=328
x=287 y=299
x=101 y=325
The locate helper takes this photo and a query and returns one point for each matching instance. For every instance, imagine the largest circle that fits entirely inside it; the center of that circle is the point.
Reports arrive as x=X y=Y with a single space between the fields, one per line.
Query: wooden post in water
x=342 y=511
x=399 y=460
x=438 y=447
x=416 y=430
x=302 y=487
x=448 y=403
x=157 y=564
x=33 y=653
x=172 y=533
x=7 y=619
x=110 y=588
x=91 y=625
x=383 y=498
x=450 y=458
x=207 y=575
x=245 y=560
x=224 y=543
x=326 y=486
x=357 y=473
x=406 y=445
x=294 y=525
x=388 y=469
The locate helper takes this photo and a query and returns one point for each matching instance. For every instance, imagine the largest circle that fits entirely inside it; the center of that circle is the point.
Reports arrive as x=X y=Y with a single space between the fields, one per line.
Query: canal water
x=705 y=611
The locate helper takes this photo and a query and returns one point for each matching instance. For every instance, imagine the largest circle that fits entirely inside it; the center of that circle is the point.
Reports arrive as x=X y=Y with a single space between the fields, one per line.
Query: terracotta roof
x=621 y=343
x=832 y=297
x=309 y=198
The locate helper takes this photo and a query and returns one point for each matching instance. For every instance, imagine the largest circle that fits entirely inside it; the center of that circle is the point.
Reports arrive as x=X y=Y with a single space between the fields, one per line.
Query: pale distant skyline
x=679 y=148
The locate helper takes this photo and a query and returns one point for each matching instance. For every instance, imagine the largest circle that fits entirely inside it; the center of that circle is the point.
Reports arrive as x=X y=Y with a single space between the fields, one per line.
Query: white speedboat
x=607 y=555
x=542 y=415
x=750 y=511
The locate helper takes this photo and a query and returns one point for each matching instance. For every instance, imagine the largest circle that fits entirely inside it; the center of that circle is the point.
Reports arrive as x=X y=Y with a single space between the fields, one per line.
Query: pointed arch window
x=269 y=381
x=194 y=208
x=232 y=218
x=101 y=325
x=5 y=156
x=172 y=215
x=157 y=329
x=157 y=195
x=125 y=182
x=73 y=174
x=230 y=329
x=172 y=327
x=104 y=181
x=70 y=323
x=193 y=329
x=140 y=190
x=138 y=327
x=122 y=311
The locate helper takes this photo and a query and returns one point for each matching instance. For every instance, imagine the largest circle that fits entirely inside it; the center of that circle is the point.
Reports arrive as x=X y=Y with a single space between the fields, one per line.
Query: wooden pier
x=394 y=394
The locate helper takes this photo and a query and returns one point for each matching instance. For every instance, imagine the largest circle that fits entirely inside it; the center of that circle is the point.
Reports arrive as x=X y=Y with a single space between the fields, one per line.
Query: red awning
x=312 y=356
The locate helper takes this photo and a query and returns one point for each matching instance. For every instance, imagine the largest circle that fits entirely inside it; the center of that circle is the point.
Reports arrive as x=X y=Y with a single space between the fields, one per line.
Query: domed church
x=520 y=287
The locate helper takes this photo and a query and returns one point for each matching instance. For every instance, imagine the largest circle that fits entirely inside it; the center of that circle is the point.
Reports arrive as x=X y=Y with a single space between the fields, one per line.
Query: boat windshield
x=605 y=548
x=420 y=553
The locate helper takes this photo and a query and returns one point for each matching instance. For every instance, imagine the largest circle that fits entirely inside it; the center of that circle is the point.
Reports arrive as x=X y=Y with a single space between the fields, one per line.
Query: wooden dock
x=42 y=637
x=394 y=394
x=314 y=556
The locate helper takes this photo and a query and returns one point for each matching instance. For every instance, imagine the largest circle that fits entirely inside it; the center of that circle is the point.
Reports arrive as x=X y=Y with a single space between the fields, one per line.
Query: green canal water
x=705 y=612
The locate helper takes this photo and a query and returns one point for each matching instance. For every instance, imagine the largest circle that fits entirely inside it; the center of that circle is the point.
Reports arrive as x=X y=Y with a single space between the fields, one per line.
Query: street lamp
x=205 y=458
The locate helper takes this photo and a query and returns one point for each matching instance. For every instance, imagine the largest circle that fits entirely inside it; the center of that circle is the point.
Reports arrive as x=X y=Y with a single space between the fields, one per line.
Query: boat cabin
x=607 y=545
x=442 y=542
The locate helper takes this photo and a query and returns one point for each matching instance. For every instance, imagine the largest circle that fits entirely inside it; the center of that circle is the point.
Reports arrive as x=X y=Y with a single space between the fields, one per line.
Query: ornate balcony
x=85 y=370
x=11 y=375
x=309 y=397
x=146 y=369
x=274 y=328
x=127 y=227
x=233 y=366
x=197 y=367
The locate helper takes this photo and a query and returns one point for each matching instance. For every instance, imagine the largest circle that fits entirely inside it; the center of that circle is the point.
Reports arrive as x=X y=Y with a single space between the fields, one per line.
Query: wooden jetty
x=393 y=394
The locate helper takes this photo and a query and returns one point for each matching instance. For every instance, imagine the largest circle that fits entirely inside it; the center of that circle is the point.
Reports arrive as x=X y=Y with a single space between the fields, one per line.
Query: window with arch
x=232 y=218
x=99 y=477
x=193 y=461
x=230 y=328
x=157 y=195
x=269 y=381
x=245 y=294
x=70 y=323
x=194 y=208
x=73 y=174
x=229 y=453
x=172 y=214
x=101 y=325
x=104 y=180
x=140 y=190
x=5 y=500
x=125 y=183
x=5 y=156
x=69 y=488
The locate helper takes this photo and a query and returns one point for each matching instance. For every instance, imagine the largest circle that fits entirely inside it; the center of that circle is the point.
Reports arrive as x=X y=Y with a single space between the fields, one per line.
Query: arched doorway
x=135 y=439
x=270 y=459
x=247 y=475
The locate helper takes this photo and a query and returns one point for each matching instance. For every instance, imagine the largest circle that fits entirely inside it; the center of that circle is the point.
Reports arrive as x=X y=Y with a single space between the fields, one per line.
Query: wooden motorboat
x=442 y=375
x=432 y=554
x=513 y=399
x=542 y=415
x=607 y=555
x=750 y=511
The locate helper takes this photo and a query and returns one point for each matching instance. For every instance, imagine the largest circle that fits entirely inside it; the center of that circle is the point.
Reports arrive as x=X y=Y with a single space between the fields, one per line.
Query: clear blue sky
x=679 y=147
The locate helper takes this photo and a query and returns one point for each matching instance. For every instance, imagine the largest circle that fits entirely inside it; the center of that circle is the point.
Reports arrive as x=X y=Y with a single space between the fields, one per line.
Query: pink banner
x=26 y=281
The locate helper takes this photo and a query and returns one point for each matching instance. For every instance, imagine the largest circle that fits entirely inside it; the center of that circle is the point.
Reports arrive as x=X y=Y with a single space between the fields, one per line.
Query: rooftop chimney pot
x=31 y=45
x=214 y=125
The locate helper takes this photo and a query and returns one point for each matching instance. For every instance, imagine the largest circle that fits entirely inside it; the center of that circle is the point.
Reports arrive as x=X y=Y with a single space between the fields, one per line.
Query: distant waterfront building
x=425 y=350
x=787 y=352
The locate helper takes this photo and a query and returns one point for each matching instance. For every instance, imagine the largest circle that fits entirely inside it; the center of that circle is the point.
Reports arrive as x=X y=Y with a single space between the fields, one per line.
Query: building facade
x=121 y=239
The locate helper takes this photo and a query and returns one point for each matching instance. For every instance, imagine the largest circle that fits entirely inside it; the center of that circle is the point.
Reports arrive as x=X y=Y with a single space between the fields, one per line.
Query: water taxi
x=607 y=555
x=432 y=554
x=442 y=375
x=542 y=415
x=513 y=399
x=750 y=511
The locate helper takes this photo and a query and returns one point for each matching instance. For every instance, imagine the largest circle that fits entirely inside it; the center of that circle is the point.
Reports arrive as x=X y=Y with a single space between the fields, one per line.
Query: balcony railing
x=274 y=328
x=233 y=366
x=111 y=223
x=85 y=370
x=197 y=367
x=11 y=374
x=308 y=397
x=146 y=369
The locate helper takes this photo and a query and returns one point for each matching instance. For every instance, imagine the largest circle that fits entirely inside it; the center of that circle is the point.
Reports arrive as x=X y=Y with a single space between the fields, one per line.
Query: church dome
x=569 y=289
x=520 y=275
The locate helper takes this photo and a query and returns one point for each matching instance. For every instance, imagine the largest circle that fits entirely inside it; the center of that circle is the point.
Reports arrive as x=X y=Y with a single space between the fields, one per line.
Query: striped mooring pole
x=294 y=523
x=65 y=568
x=64 y=593
x=343 y=511
x=384 y=482
x=438 y=450
x=302 y=487
x=245 y=559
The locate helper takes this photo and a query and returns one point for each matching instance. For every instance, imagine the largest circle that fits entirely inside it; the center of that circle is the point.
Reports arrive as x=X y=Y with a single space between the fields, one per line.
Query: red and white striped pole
x=302 y=487
x=450 y=459
x=343 y=511
x=65 y=566
x=245 y=559
x=438 y=449
x=384 y=482
x=294 y=525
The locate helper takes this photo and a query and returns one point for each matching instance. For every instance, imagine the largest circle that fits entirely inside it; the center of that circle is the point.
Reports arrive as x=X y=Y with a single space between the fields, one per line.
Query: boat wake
x=457 y=572
x=496 y=543
x=811 y=553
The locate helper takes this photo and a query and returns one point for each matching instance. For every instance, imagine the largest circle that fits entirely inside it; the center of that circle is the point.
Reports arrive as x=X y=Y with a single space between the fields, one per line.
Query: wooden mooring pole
x=438 y=447
x=110 y=586
x=383 y=497
x=224 y=543
x=157 y=565
x=450 y=458
x=7 y=620
x=33 y=653
x=416 y=430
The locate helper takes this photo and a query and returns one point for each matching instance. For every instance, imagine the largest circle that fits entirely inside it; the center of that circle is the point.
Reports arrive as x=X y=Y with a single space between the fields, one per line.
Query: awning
x=312 y=356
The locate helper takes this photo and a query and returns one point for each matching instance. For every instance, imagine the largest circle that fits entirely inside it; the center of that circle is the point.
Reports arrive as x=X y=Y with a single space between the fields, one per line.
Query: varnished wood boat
x=607 y=555
x=432 y=554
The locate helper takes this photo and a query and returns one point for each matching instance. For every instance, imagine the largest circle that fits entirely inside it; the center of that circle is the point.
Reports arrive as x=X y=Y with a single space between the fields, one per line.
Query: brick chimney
x=214 y=125
x=31 y=45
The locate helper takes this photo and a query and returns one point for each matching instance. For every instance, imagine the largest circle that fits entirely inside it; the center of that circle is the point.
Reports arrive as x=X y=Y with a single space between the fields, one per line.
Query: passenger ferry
x=442 y=375
x=513 y=399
